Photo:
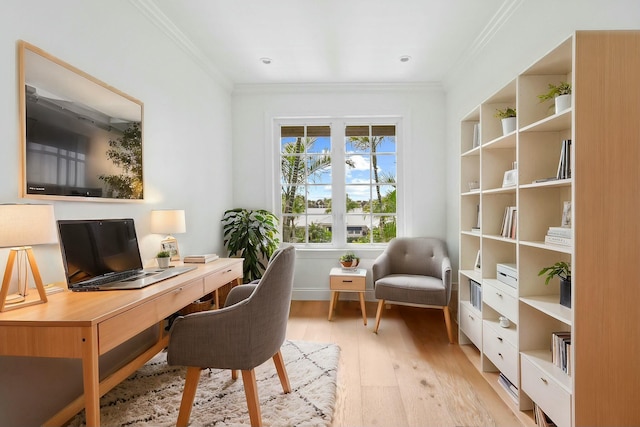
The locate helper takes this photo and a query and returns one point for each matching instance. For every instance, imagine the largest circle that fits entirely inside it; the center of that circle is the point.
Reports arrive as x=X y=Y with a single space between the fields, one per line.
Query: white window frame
x=338 y=126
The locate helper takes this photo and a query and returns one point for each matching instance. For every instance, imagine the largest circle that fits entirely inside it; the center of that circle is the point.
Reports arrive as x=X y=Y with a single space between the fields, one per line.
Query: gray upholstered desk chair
x=248 y=331
x=414 y=271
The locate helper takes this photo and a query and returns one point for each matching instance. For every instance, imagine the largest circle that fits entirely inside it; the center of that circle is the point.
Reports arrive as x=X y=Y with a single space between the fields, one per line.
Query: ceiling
x=330 y=41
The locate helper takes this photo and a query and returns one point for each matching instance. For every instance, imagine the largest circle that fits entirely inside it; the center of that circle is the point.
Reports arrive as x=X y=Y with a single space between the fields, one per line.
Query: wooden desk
x=85 y=325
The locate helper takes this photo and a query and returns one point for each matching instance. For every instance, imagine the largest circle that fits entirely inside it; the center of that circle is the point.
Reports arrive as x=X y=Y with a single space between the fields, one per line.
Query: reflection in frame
x=80 y=138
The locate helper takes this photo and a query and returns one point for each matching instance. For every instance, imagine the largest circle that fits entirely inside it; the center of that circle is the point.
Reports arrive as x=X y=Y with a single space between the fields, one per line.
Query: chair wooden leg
x=251 y=392
x=234 y=374
x=282 y=371
x=378 y=315
x=447 y=321
x=188 y=395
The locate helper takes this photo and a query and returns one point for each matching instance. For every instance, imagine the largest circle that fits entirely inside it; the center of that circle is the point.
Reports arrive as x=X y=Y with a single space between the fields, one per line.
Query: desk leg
x=332 y=303
x=91 y=375
x=364 y=310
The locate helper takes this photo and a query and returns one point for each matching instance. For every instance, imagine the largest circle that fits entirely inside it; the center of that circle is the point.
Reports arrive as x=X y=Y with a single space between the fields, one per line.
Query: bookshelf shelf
x=548 y=304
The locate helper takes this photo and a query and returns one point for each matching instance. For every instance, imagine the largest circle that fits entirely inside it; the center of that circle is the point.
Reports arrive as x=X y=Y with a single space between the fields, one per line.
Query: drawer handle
x=347 y=281
x=500 y=354
x=543 y=380
x=229 y=271
x=499 y=339
x=178 y=290
x=499 y=294
x=471 y=317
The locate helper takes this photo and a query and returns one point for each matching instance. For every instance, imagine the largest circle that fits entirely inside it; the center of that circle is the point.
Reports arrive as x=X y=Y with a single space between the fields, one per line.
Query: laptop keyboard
x=116 y=277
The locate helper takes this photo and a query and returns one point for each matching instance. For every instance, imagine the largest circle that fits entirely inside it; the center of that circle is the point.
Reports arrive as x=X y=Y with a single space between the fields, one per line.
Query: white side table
x=341 y=280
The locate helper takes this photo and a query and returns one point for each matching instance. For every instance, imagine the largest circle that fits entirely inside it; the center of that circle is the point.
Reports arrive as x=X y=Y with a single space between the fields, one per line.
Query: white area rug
x=151 y=396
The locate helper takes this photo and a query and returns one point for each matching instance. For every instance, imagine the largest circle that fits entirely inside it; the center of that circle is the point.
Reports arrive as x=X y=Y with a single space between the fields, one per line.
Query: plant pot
x=565 y=293
x=350 y=264
x=508 y=125
x=163 y=262
x=562 y=102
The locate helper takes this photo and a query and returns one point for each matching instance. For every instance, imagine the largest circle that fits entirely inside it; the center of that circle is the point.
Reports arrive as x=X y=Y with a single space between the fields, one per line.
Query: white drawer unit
x=498 y=348
x=471 y=324
x=545 y=389
x=501 y=298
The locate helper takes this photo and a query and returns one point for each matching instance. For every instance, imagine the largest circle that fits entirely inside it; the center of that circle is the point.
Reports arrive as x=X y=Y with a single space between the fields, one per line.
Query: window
x=338 y=183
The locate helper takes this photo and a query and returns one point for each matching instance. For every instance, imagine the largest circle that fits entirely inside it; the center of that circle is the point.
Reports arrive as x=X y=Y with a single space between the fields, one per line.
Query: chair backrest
x=416 y=255
x=268 y=306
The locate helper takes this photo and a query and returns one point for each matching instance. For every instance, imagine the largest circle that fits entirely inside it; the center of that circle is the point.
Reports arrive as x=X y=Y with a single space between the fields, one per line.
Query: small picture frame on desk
x=171 y=245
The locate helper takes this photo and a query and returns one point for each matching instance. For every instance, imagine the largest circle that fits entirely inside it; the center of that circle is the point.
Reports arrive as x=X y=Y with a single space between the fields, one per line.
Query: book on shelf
x=511 y=389
x=557 y=240
x=475 y=294
x=559 y=231
x=539 y=180
x=476 y=135
x=509 y=222
x=475 y=230
x=564 y=165
x=561 y=351
x=201 y=259
x=541 y=419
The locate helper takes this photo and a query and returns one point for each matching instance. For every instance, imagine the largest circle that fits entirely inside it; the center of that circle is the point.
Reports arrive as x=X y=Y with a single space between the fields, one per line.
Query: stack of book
x=200 y=259
x=559 y=236
x=561 y=351
x=509 y=222
x=508 y=385
x=475 y=294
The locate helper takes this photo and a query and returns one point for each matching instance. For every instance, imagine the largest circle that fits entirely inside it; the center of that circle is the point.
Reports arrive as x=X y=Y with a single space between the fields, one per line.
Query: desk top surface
x=88 y=308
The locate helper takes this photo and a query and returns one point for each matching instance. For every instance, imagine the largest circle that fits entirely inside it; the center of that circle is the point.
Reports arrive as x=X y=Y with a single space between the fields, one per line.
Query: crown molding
x=157 y=17
x=504 y=13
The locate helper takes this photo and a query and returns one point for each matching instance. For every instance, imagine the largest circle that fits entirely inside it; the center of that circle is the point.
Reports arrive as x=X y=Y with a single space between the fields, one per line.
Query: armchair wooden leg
x=378 y=315
x=234 y=374
x=251 y=392
x=188 y=395
x=447 y=321
x=282 y=372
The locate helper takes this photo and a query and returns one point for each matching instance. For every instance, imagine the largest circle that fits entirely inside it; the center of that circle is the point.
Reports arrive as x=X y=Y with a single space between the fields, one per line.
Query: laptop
x=103 y=254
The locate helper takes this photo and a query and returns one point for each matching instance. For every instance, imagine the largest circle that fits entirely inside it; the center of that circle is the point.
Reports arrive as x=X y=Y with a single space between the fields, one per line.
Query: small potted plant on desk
x=563 y=271
x=508 y=117
x=561 y=94
x=163 y=258
x=349 y=261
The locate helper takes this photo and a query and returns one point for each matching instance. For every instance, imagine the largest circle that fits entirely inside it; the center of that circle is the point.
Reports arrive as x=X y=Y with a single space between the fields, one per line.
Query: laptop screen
x=95 y=248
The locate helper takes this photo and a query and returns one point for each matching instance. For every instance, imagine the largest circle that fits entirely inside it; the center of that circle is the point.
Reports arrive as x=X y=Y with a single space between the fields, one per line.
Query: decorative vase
x=565 y=293
x=562 y=102
x=350 y=264
x=508 y=125
x=163 y=262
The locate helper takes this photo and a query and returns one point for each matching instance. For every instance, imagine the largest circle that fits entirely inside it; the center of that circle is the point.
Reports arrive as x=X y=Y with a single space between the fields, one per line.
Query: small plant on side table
x=563 y=271
x=349 y=260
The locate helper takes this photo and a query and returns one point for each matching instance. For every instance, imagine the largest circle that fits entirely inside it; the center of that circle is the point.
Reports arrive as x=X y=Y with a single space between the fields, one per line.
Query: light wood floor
x=406 y=375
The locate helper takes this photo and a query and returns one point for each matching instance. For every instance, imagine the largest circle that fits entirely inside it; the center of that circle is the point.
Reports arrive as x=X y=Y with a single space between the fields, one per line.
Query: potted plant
x=253 y=235
x=508 y=117
x=163 y=258
x=349 y=260
x=563 y=271
x=561 y=93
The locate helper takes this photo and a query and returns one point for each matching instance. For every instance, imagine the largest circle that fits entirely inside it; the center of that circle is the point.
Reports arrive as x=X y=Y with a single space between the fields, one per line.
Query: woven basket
x=203 y=304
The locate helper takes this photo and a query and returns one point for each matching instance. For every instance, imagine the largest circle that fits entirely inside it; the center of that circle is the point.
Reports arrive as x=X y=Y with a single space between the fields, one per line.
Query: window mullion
x=338 y=196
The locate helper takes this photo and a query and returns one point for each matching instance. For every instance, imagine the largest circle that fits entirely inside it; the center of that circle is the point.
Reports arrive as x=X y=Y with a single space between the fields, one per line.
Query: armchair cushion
x=412 y=288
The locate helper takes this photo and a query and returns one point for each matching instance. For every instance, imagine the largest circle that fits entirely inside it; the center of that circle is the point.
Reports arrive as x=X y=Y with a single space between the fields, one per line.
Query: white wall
x=421 y=170
x=535 y=28
x=187 y=151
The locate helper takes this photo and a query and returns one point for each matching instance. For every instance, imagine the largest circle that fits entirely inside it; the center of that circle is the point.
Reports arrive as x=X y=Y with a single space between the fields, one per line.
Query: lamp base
x=6 y=282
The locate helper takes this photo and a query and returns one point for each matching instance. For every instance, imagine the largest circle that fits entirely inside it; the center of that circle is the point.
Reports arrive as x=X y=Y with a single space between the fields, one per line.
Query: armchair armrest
x=381 y=267
x=446 y=276
x=239 y=293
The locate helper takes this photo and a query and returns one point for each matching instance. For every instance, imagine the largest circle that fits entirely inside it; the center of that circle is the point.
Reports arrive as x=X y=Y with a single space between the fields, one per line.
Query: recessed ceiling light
x=405 y=58
x=265 y=60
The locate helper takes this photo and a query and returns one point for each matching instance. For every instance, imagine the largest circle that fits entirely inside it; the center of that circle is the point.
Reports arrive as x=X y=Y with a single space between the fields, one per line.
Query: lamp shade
x=27 y=225
x=168 y=221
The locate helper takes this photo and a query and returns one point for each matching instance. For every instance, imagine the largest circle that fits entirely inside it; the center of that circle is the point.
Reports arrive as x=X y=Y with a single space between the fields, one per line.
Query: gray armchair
x=415 y=271
x=248 y=331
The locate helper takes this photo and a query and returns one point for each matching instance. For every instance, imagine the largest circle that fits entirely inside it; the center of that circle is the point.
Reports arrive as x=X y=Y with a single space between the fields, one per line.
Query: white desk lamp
x=169 y=222
x=23 y=226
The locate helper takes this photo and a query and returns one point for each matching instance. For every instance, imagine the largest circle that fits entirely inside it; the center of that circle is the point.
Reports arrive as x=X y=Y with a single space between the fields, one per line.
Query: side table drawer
x=501 y=301
x=543 y=389
x=501 y=353
x=471 y=325
x=347 y=283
